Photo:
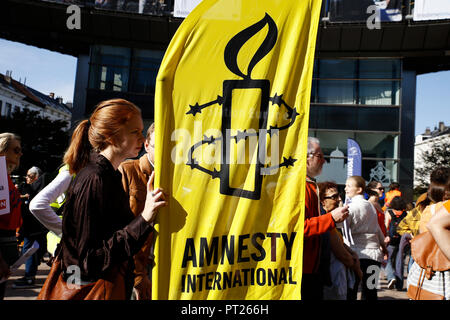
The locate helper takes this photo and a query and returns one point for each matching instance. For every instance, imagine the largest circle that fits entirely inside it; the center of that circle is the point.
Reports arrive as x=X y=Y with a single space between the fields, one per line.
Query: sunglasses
x=381 y=189
x=17 y=150
x=333 y=196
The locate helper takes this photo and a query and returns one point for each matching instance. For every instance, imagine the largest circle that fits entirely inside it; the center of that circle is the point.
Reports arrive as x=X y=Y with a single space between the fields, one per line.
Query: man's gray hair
x=311 y=141
x=36 y=171
x=5 y=140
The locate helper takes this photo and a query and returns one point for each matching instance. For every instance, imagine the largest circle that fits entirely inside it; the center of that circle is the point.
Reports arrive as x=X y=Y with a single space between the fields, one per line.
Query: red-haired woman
x=100 y=233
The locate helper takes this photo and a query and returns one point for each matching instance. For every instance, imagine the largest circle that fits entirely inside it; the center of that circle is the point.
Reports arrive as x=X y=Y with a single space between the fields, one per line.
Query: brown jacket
x=135 y=174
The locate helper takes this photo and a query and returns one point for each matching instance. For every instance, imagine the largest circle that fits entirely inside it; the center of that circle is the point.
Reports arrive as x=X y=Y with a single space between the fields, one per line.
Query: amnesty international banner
x=231 y=112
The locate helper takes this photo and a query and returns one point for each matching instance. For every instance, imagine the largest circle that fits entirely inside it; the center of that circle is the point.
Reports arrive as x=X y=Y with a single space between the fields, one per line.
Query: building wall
x=407 y=128
x=116 y=72
x=368 y=100
x=12 y=100
x=81 y=84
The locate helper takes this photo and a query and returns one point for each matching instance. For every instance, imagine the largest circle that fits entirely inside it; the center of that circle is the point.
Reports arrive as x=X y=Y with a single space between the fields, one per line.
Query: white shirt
x=40 y=205
x=366 y=232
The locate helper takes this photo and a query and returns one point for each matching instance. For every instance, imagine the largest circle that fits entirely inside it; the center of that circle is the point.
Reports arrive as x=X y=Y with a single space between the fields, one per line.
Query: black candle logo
x=226 y=101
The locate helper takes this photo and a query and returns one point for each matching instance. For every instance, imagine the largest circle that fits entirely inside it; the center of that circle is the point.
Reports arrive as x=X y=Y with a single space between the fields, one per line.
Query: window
x=354 y=118
x=338 y=69
x=379 y=92
x=8 y=110
x=335 y=91
x=385 y=171
x=376 y=148
x=109 y=68
x=378 y=145
x=373 y=145
x=124 y=69
x=379 y=69
x=346 y=81
x=145 y=66
x=358 y=99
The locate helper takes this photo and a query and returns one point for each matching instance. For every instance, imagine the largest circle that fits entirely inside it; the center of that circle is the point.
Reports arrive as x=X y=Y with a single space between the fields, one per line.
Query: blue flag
x=353 y=158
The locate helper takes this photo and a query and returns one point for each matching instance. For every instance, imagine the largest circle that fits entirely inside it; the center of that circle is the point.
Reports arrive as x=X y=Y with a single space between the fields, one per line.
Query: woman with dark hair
x=100 y=233
x=436 y=193
x=378 y=187
x=342 y=259
x=373 y=190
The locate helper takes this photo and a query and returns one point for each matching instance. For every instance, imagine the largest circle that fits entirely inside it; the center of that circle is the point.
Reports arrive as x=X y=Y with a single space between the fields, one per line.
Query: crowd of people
x=374 y=227
x=97 y=215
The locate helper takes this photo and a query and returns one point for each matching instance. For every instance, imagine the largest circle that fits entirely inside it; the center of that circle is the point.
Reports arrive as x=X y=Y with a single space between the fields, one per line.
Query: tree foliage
x=43 y=141
x=437 y=156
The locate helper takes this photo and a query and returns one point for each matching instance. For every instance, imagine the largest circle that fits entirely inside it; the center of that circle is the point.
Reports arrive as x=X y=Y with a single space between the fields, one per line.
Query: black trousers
x=312 y=287
x=371 y=272
x=10 y=254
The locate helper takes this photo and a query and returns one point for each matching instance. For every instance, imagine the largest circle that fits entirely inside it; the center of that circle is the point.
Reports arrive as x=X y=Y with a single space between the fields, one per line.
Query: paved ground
x=32 y=293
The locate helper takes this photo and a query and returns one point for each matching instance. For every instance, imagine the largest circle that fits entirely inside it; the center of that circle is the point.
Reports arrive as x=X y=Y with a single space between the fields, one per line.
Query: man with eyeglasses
x=32 y=175
x=31 y=230
x=315 y=224
x=135 y=175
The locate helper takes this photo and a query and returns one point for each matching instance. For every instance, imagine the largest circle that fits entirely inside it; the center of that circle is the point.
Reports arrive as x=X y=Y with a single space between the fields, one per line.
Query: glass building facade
x=123 y=73
x=358 y=99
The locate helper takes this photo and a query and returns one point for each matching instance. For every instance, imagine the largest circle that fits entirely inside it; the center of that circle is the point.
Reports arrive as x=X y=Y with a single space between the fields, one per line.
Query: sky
x=432 y=100
x=48 y=71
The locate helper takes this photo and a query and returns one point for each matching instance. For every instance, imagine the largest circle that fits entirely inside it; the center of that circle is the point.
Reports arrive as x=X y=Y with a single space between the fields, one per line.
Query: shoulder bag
x=111 y=287
x=429 y=277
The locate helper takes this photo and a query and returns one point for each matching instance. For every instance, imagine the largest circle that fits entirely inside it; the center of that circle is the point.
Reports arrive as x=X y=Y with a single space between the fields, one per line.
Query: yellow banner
x=231 y=112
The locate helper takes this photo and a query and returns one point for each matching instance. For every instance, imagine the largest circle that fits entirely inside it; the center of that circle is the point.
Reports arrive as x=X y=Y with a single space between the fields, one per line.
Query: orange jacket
x=315 y=225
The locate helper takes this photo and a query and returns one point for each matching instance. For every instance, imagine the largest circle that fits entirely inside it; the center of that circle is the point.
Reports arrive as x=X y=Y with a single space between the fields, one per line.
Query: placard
x=4 y=189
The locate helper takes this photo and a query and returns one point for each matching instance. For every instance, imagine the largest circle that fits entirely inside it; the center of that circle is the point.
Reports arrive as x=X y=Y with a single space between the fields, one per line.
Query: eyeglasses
x=381 y=189
x=333 y=196
x=318 y=155
x=30 y=176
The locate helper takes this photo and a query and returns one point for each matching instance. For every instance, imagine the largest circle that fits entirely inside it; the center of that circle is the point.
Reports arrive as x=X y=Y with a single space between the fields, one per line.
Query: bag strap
x=420 y=283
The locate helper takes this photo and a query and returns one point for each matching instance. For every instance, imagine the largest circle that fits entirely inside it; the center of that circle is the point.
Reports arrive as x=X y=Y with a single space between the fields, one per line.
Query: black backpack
x=393 y=234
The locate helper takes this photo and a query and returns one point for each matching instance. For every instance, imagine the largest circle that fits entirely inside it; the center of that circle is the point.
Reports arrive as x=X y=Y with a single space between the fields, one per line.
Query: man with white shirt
x=135 y=175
